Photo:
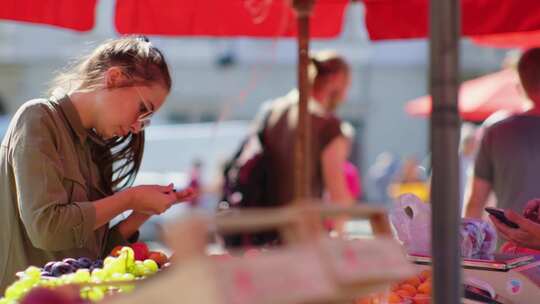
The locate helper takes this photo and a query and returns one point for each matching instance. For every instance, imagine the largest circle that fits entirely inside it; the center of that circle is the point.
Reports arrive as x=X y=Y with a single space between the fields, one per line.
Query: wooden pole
x=302 y=151
x=445 y=123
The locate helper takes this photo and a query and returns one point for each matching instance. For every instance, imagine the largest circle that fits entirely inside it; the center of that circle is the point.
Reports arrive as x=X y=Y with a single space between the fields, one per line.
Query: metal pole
x=302 y=153
x=445 y=123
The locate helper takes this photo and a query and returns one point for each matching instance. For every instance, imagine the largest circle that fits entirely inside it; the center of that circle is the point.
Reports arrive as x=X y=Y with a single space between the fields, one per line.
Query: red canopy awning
x=77 y=15
x=385 y=19
x=480 y=97
x=398 y=19
x=510 y=40
x=254 y=18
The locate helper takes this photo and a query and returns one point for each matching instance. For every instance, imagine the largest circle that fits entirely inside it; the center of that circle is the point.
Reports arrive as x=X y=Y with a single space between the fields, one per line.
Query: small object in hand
x=186 y=194
x=499 y=214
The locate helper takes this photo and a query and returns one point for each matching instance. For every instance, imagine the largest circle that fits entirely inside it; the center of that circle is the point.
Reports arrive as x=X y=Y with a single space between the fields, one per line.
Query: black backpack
x=244 y=186
x=245 y=175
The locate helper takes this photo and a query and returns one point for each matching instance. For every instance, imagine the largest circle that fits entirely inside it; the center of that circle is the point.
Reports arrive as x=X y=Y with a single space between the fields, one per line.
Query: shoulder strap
x=262 y=125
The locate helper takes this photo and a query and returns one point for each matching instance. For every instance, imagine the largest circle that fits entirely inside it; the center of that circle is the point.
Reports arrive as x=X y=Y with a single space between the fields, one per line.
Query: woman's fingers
x=186 y=194
x=532 y=210
x=523 y=222
x=171 y=198
x=516 y=218
x=158 y=199
x=532 y=205
x=502 y=228
x=166 y=189
x=525 y=236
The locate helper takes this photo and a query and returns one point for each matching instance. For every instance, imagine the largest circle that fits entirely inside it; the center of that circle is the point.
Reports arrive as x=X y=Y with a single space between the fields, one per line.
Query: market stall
x=332 y=269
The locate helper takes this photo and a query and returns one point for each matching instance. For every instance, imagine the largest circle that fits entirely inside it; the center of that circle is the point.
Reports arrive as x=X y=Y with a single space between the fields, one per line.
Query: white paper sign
x=292 y=275
x=357 y=261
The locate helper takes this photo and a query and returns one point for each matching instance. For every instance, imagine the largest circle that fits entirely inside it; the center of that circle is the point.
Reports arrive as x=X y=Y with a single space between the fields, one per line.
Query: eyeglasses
x=144 y=118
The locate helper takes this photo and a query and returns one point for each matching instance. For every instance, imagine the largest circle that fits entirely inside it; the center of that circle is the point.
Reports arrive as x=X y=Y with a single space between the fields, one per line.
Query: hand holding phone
x=532 y=210
x=499 y=214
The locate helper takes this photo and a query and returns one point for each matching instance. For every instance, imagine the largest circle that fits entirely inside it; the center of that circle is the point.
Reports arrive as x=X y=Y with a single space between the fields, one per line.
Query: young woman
x=67 y=161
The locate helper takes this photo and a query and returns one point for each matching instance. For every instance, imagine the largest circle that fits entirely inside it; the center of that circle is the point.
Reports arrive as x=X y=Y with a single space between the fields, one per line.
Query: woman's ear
x=114 y=77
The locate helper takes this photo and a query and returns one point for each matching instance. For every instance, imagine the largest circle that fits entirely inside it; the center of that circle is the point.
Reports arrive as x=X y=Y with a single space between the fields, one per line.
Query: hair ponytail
x=327 y=63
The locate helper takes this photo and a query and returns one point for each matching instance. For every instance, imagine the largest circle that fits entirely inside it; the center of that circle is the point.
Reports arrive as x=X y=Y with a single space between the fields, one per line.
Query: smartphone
x=499 y=214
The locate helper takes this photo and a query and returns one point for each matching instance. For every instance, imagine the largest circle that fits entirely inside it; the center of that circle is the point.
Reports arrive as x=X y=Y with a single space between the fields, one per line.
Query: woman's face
x=338 y=94
x=128 y=108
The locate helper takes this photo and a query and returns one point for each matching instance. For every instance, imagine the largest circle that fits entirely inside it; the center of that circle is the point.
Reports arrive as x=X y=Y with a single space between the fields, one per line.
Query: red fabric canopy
x=398 y=19
x=385 y=19
x=480 y=97
x=510 y=40
x=254 y=18
x=77 y=15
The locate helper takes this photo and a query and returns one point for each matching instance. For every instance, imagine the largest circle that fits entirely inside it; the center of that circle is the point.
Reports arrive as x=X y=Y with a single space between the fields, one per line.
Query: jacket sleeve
x=52 y=222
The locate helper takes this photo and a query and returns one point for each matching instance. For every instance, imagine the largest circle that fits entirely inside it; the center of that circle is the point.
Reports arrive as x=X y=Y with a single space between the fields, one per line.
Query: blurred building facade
x=222 y=79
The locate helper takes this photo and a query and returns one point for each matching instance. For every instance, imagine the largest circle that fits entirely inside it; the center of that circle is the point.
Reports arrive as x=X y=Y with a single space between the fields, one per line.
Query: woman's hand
x=151 y=199
x=532 y=210
x=186 y=194
x=527 y=235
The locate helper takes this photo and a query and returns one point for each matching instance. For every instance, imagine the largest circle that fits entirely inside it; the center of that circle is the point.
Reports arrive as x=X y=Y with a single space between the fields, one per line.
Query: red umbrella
x=510 y=40
x=398 y=19
x=480 y=97
x=385 y=19
x=254 y=18
x=76 y=15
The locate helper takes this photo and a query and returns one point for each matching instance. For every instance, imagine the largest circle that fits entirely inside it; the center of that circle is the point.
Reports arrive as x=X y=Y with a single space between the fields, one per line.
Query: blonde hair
x=135 y=55
x=118 y=159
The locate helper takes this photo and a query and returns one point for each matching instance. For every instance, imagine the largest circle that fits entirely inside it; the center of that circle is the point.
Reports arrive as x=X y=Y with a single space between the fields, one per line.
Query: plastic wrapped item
x=490 y=238
x=411 y=220
x=477 y=238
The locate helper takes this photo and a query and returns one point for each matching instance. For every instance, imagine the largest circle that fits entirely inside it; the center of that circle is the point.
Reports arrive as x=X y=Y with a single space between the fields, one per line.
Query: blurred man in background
x=508 y=161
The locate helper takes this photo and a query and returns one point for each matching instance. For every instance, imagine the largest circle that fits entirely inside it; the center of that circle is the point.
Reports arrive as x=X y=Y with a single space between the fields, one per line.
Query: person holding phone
x=508 y=159
x=527 y=234
x=67 y=161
